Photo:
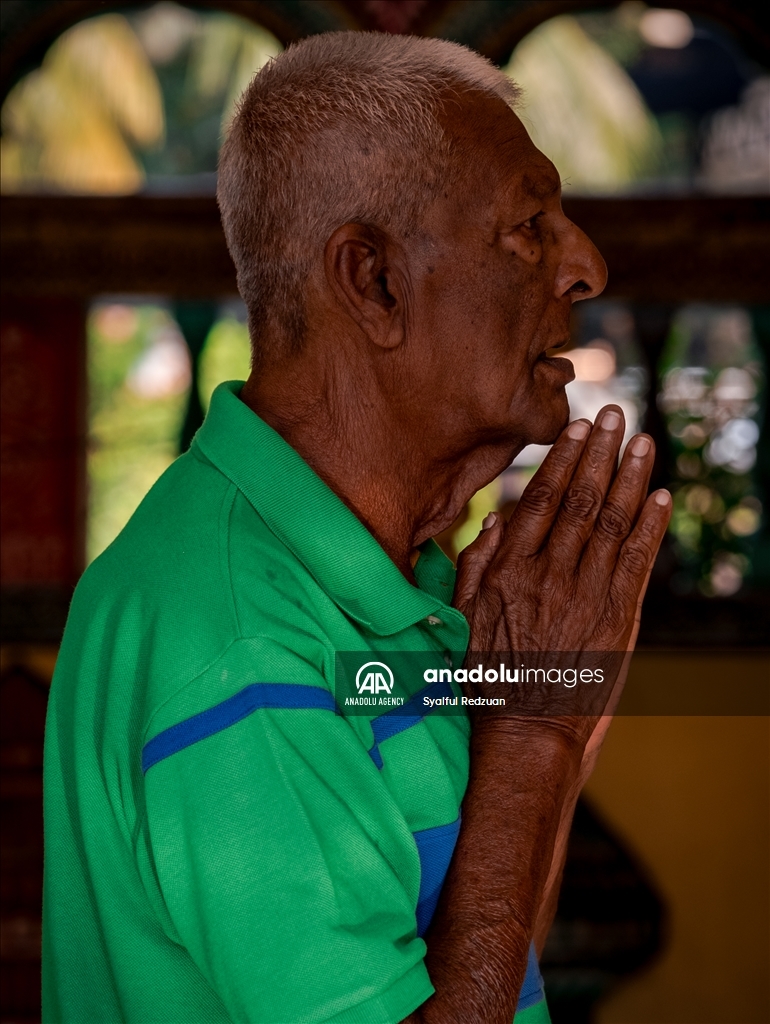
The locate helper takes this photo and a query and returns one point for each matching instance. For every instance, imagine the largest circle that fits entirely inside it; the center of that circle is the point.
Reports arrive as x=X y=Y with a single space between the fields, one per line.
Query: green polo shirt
x=223 y=841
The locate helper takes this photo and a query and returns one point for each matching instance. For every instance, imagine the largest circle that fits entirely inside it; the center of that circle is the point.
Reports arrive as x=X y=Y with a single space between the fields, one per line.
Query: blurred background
x=120 y=315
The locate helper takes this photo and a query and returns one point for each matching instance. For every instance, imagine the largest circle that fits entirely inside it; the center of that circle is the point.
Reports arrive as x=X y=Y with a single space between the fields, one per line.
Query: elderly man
x=225 y=842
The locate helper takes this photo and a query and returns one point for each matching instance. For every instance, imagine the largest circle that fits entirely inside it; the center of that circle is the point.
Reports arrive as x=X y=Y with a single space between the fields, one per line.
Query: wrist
x=534 y=755
x=561 y=737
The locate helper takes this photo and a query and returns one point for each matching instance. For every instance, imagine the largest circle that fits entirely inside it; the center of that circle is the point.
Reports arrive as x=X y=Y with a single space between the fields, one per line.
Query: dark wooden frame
x=86 y=246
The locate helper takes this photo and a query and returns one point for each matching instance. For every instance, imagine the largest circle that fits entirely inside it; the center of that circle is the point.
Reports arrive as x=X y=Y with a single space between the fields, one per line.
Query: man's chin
x=553 y=416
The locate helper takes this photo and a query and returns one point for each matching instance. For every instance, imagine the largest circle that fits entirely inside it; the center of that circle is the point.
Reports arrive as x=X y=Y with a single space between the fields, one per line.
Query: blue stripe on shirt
x=251 y=698
x=435 y=847
x=398 y=719
x=532 y=987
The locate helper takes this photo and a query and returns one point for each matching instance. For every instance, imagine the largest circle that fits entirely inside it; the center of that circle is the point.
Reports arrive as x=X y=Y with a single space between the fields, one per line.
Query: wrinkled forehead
x=499 y=163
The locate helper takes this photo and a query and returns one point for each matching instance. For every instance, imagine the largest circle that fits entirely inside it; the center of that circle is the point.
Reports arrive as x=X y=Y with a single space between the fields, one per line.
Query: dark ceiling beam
x=683 y=249
x=658 y=250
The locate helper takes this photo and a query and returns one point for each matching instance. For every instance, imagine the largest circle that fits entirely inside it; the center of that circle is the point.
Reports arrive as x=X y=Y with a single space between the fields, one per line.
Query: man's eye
x=530 y=222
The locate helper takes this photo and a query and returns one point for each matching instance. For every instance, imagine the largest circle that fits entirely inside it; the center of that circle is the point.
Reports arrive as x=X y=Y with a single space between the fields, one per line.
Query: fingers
x=621 y=508
x=637 y=555
x=473 y=560
x=534 y=515
x=585 y=495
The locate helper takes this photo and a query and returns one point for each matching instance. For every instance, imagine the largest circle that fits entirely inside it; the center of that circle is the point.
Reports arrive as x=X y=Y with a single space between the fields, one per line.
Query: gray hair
x=343 y=127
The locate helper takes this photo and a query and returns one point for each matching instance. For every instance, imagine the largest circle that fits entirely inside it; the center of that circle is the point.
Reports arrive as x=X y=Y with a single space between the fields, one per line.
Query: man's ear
x=365 y=283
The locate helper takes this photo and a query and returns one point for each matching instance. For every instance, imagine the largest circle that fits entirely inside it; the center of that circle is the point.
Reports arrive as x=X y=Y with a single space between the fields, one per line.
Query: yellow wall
x=691 y=795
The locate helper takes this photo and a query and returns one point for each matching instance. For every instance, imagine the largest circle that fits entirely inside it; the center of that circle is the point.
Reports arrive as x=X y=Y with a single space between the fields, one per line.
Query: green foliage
x=132 y=439
x=78 y=122
x=227 y=356
x=582 y=109
x=135 y=421
x=120 y=98
x=616 y=30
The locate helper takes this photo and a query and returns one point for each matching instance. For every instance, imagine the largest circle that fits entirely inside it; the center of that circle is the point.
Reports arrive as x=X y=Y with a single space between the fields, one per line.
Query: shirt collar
x=316 y=525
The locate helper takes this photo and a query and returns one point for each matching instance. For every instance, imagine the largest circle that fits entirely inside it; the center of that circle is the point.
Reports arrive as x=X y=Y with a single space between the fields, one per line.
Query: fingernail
x=489 y=520
x=662 y=498
x=640 y=446
x=578 y=430
x=610 y=420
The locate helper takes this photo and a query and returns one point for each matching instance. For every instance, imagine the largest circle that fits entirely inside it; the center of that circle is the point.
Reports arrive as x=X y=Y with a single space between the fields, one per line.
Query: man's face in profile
x=495 y=280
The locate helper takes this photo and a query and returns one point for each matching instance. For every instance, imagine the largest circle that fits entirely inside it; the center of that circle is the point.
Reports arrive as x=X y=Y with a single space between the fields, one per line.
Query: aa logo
x=374 y=677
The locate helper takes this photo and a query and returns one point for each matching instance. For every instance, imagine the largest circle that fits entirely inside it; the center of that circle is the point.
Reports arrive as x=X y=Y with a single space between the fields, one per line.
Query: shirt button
x=448 y=659
x=433 y=621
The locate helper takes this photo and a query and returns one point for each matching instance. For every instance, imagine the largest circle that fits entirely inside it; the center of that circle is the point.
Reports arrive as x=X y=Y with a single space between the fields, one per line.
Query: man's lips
x=554 y=348
x=557 y=367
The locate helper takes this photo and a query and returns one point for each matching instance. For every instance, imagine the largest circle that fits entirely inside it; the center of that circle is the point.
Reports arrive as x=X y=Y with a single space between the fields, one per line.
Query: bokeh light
x=711 y=382
x=139 y=373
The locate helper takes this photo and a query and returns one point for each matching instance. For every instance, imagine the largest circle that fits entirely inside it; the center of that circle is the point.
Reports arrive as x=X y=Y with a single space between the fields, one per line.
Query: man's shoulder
x=194 y=531
x=171 y=550
x=194 y=570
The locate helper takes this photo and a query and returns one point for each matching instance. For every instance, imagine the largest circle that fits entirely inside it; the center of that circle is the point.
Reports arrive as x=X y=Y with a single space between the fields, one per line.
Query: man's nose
x=582 y=271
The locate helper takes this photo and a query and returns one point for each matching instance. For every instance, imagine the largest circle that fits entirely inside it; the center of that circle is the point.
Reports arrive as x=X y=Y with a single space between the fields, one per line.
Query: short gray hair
x=343 y=127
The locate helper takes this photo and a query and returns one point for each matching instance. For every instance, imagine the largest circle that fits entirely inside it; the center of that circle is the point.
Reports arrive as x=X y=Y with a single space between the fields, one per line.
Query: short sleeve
x=287 y=871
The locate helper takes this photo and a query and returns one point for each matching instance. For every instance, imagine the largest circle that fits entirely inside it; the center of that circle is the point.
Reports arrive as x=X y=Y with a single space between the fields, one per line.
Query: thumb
x=475 y=559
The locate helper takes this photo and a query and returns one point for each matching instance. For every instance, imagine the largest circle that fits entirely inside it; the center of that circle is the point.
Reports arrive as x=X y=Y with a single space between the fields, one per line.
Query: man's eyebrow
x=541 y=190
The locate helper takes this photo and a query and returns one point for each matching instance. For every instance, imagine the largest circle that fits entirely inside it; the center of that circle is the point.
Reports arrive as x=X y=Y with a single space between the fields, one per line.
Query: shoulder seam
x=224 y=534
x=224 y=527
x=188 y=682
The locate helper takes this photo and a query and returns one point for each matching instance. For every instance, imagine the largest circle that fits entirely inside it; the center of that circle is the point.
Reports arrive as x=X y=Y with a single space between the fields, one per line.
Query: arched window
x=643 y=101
x=130 y=102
